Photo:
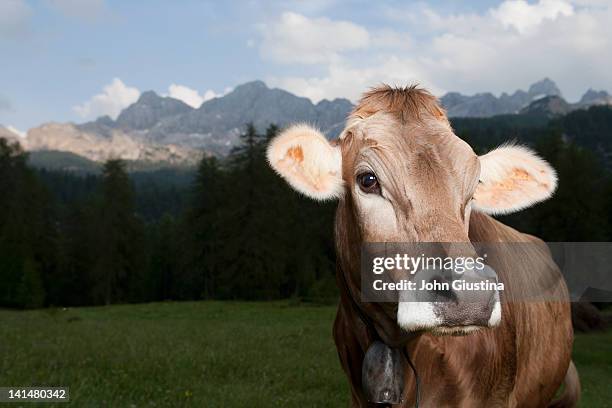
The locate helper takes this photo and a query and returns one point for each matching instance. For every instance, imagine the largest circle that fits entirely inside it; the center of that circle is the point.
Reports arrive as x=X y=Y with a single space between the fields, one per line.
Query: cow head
x=402 y=175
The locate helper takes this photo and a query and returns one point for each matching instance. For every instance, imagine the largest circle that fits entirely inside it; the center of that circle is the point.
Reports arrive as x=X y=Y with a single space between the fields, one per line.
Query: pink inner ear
x=513 y=181
x=513 y=178
x=519 y=189
x=302 y=175
x=296 y=153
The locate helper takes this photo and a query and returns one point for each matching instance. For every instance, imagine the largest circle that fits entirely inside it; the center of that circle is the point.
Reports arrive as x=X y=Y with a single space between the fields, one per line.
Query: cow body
x=521 y=363
x=402 y=176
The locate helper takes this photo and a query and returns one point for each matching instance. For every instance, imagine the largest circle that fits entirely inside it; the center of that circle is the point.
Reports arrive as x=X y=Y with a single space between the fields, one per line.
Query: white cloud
x=210 y=94
x=345 y=80
x=14 y=18
x=297 y=38
x=191 y=96
x=389 y=39
x=501 y=49
x=114 y=97
x=524 y=16
x=478 y=52
x=20 y=133
x=85 y=9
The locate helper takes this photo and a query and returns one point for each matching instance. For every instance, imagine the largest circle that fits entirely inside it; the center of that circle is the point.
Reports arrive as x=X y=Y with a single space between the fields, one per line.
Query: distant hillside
x=549 y=106
x=484 y=134
x=588 y=128
x=99 y=142
x=70 y=162
x=556 y=105
x=55 y=160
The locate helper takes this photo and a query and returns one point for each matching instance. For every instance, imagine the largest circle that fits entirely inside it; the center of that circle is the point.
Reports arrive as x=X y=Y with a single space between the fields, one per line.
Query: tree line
x=232 y=230
x=235 y=232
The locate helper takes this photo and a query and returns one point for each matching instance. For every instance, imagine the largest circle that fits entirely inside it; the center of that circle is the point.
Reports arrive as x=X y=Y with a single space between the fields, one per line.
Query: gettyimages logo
x=413 y=264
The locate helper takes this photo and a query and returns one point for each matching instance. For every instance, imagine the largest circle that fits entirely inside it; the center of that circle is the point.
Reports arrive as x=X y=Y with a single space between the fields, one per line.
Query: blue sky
x=72 y=60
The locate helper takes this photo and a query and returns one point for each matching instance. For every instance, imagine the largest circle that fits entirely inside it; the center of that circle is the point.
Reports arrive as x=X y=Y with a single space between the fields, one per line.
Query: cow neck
x=380 y=325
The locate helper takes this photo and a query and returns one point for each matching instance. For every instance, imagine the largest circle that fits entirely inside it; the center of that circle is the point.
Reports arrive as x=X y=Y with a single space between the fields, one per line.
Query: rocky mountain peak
x=544 y=87
x=551 y=105
x=149 y=109
x=149 y=98
x=595 y=97
x=338 y=101
x=218 y=123
x=247 y=93
x=252 y=86
x=105 y=121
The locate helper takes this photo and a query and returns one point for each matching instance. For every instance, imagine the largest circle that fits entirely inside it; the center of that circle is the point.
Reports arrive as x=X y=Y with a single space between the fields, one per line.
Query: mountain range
x=164 y=129
x=486 y=104
x=542 y=97
x=158 y=129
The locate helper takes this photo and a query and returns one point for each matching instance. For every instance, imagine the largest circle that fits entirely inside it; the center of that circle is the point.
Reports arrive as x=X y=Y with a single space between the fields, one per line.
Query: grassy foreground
x=205 y=354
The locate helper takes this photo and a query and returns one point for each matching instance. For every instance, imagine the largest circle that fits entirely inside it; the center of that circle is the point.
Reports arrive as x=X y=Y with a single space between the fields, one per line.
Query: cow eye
x=368 y=183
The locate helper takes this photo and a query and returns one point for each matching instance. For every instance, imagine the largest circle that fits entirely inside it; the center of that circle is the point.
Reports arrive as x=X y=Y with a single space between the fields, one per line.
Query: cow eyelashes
x=368 y=183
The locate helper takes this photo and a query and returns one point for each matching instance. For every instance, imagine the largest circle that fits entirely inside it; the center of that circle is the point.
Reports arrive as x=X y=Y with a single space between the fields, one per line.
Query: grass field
x=206 y=354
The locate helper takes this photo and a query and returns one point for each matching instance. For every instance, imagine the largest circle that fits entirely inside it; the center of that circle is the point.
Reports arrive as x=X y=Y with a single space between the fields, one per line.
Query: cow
x=400 y=174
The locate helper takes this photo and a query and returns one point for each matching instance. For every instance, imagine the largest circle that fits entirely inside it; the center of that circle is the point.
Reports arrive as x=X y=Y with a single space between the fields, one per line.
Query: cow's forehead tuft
x=406 y=104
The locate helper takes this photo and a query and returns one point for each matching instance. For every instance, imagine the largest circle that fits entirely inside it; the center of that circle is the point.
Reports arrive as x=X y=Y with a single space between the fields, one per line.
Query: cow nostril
x=441 y=291
x=443 y=295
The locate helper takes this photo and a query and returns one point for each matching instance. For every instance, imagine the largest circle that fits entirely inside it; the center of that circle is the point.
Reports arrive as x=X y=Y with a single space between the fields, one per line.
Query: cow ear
x=513 y=178
x=308 y=162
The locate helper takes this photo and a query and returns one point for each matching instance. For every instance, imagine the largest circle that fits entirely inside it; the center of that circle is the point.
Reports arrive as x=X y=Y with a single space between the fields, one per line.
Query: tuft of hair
x=408 y=104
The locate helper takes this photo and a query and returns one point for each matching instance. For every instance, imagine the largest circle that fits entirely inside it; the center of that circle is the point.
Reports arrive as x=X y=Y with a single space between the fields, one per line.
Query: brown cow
x=402 y=175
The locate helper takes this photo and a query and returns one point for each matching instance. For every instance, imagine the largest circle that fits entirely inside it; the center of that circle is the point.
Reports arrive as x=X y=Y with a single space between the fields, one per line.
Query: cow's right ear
x=308 y=161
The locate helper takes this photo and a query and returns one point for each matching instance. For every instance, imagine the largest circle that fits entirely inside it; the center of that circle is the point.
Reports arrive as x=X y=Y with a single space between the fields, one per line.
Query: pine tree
x=163 y=253
x=247 y=255
x=200 y=245
x=118 y=271
x=27 y=231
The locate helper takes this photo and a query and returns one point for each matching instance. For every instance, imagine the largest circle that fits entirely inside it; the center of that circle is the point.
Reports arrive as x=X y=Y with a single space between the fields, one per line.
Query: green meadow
x=205 y=354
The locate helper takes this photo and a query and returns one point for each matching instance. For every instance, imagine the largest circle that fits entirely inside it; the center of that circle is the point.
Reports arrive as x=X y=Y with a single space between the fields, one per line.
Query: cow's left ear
x=512 y=178
x=308 y=162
